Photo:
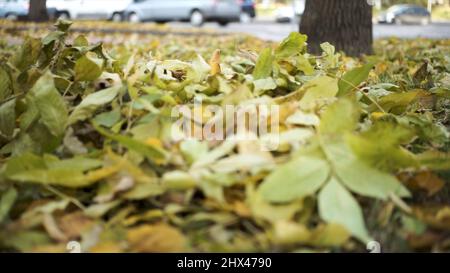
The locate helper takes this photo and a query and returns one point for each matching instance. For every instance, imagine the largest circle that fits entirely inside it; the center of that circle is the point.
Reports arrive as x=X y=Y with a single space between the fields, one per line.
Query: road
x=265 y=30
x=275 y=32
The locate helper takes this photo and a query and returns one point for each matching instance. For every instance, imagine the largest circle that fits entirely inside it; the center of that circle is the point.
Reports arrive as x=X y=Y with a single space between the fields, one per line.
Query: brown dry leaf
x=436 y=217
x=241 y=209
x=74 y=224
x=422 y=241
x=427 y=181
x=159 y=238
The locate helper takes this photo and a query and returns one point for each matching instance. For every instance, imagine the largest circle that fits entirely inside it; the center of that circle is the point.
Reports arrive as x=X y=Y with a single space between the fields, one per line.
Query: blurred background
x=266 y=19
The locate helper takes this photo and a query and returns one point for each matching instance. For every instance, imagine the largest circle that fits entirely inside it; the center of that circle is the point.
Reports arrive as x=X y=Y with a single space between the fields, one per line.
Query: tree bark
x=347 y=24
x=38 y=11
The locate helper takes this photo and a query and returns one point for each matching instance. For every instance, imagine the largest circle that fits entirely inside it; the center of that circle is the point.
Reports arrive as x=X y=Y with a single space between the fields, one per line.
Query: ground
x=90 y=160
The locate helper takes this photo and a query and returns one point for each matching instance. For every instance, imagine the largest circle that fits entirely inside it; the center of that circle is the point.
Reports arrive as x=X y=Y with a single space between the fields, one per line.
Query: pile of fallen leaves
x=88 y=154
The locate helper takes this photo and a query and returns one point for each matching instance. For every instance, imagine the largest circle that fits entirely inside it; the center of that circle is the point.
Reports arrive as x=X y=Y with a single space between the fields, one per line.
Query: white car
x=90 y=9
x=290 y=13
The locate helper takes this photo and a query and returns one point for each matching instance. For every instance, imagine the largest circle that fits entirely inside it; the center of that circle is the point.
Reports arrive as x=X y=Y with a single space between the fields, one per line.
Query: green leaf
x=5 y=84
x=427 y=129
x=435 y=160
x=93 y=101
x=108 y=119
x=28 y=54
x=6 y=202
x=293 y=44
x=63 y=25
x=201 y=69
x=59 y=177
x=30 y=115
x=7 y=119
x=52 y=37
x=304 y=65
x=152 y=153
x=264 y=65
x=359 y=177
x=262 y=85
x=338 y=206
x=320 y=88
x=98 y=210
x=49 y=170
x=43 y=140
x=70 y=178
x=80 y=41
x=144 y=191
x=50 y=104
x=294 y=180
x=340 y=117
x=25 y=240
x=80 y=164
x=24 y=162
x=193 y=149
x=353 y=78
x=398 y=103
x=387 y=154
x=331 y=59
x=88 y=68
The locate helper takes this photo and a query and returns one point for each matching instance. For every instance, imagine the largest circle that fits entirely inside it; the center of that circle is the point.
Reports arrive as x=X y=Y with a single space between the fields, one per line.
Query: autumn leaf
x=155 y=239
x=215 y=63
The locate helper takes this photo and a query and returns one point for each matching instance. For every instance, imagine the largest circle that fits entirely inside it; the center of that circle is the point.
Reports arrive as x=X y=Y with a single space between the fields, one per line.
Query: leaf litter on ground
x=87 y=152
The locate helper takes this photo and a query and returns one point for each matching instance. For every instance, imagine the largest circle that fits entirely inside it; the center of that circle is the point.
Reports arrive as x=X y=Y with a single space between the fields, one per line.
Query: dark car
x=405 y=14
x=248 y=10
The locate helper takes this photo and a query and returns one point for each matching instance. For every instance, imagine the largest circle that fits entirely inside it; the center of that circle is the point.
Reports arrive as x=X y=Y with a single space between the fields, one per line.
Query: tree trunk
x=38 y=11
x=347 y=24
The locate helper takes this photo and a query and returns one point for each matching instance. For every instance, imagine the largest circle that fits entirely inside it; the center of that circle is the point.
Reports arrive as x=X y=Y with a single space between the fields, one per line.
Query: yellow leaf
x=106 y=247
x=377 y=115
x=214 y=62
x=286 y=233
x=435 y=216
x=137 y=173
x=331 y=235
x=159 y=238
x=154 y=142
x=97 y=175
x=58 y=248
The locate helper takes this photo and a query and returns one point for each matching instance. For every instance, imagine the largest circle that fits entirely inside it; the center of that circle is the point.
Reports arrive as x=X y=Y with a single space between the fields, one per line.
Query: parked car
x=285 y=15
x=248 y=11
x=195 y=11
x=405 y=14
x=13 y=9
x=17 y=9
x=90 y=9
x=290 y=13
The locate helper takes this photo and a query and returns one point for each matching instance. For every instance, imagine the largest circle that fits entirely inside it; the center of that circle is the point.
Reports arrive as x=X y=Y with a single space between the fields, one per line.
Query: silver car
x=195 y=11
x=405 y=14
x=13 y=9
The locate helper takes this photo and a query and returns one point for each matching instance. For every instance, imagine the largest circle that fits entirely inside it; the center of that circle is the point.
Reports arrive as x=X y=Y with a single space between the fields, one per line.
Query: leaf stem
x=65 y=196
